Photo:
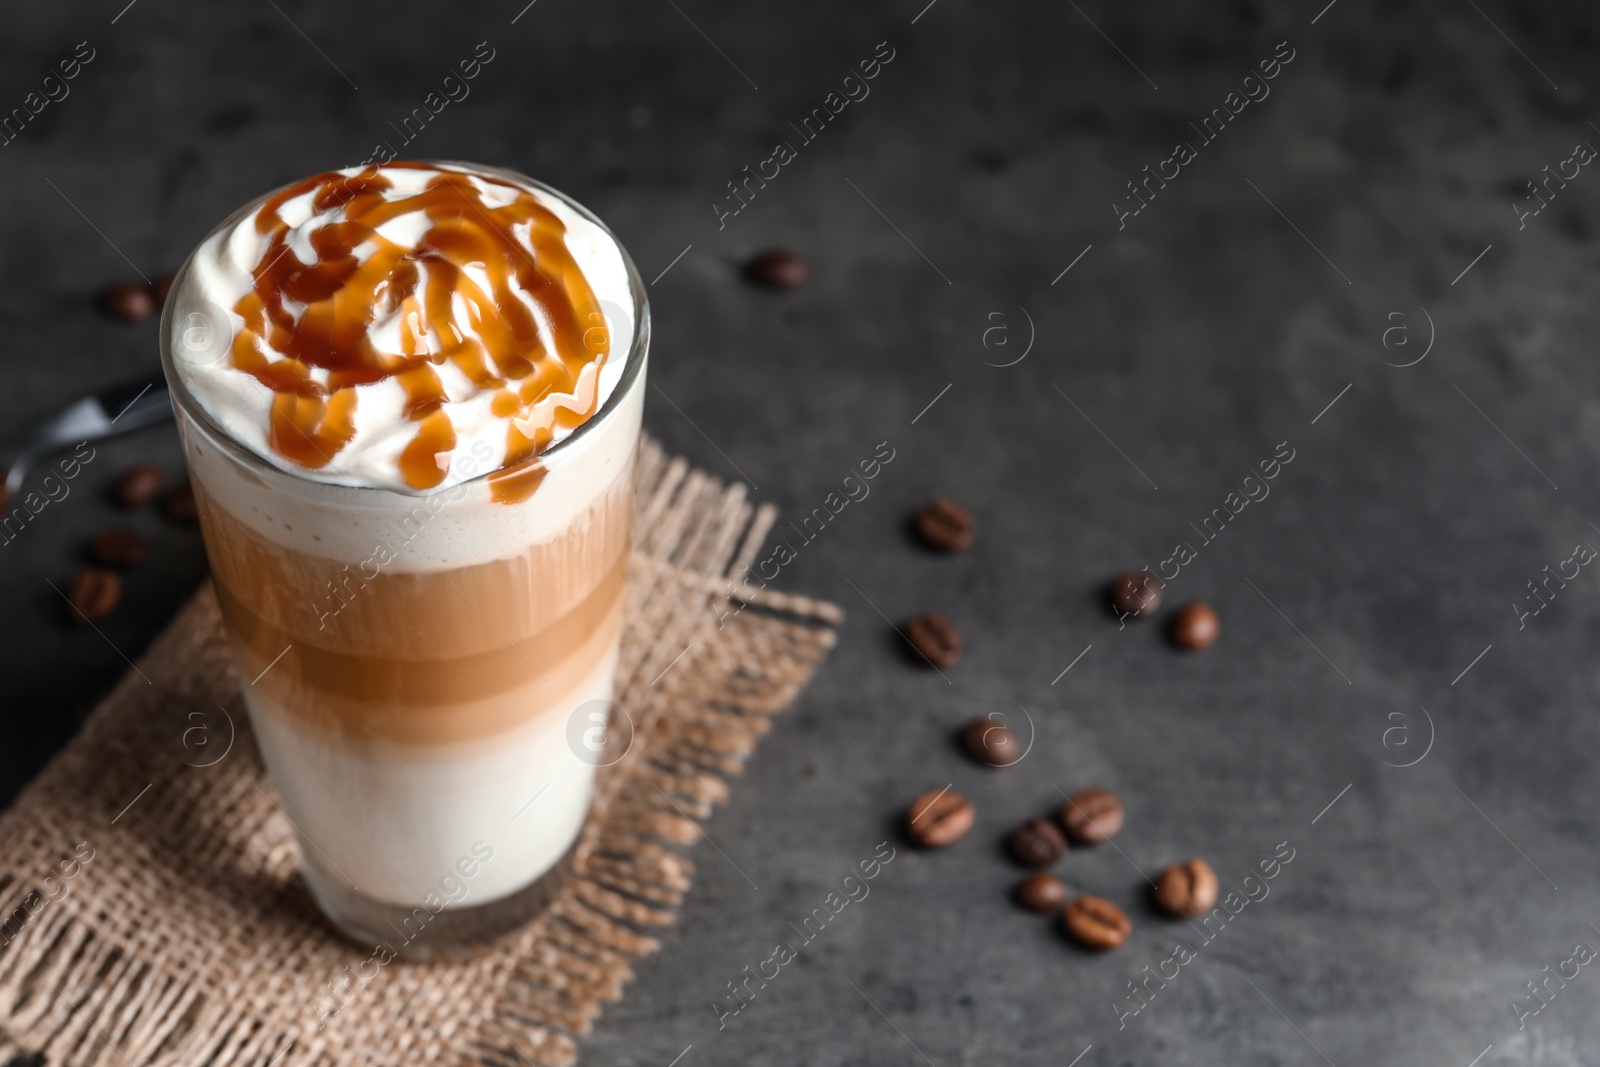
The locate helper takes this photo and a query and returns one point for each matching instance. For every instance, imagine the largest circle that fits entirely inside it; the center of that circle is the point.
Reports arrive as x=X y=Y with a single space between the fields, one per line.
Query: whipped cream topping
x=406 y=327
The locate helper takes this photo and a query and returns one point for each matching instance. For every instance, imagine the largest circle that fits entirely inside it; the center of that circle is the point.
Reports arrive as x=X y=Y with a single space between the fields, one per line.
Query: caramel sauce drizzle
x=317 y=318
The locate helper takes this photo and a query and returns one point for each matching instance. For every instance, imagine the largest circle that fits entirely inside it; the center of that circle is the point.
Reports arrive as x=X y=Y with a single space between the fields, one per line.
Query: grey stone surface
x=1252 y=292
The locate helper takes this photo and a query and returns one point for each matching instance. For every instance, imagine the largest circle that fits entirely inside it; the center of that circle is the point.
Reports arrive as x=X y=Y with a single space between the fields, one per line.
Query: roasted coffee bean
x=1195 y=627
x=180 y=506
x=139 y=485
x=777 y=268
x=1041 y=892
x=1095 y=922
x=935 y=638
x=94 y=595
x=1136 y=594
x=118 y=547
x=1092 y=816
x=129 y=302
x=161 y=287
x=944 y=525
x=1036 y=843
x=938 y=818
x=991 y=743
x=1186 y=889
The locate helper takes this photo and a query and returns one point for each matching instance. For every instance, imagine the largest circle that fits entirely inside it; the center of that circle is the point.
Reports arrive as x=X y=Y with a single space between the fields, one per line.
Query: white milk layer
x=395 y=821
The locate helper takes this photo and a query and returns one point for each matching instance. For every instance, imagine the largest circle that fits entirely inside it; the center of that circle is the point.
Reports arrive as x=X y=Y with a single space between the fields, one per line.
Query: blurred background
x=1351 y=264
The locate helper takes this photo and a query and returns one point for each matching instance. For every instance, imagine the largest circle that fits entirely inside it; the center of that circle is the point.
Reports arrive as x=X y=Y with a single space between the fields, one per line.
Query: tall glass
x=423 y=673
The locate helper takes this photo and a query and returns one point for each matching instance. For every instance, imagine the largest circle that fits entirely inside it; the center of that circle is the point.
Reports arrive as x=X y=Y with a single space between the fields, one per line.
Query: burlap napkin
x=150 y=909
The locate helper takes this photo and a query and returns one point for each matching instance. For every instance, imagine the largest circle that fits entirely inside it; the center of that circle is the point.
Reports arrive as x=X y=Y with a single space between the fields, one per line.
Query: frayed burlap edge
x=186 y=938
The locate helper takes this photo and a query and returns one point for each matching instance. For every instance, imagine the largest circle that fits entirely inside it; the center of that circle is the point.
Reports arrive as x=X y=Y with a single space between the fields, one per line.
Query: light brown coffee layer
x=453 y=716
x=422 y=658
x=369 y=606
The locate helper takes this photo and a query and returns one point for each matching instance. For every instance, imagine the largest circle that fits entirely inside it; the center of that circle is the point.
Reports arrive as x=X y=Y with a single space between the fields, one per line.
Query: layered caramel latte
x=410 y=400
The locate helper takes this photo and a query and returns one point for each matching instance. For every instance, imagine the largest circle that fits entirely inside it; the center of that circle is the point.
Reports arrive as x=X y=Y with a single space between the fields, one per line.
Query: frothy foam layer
x=462 y=526
x=407 y=327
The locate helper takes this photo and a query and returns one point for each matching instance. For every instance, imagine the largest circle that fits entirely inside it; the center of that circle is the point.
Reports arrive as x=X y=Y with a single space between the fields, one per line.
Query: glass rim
x=632 y=371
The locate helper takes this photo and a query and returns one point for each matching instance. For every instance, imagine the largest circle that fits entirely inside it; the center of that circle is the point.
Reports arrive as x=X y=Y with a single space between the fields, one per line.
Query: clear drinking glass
x=423 y=672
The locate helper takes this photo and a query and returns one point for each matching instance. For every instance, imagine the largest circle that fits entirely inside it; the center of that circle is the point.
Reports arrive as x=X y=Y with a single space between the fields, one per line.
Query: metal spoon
x=117 y=410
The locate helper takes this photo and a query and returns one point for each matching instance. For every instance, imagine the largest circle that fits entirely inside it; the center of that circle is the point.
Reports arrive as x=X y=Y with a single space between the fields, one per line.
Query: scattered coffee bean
x=129 y=302
x=1095 y=922
x=161 y=287
x=991 y=743
x=139 y=485
x=119 y=547
x=1195 y=627
x=1186 y=889
x=777 y=268
x=180 y=506
x=935 y=638
x=1041 y=892
x=94 y=594
x=945 y=525
x=1136 y=594
x=939 y=818
x=1092 y=816
x=1037 y=843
